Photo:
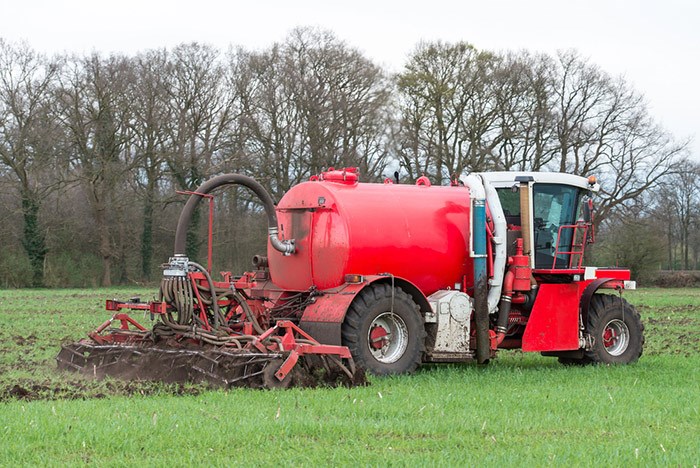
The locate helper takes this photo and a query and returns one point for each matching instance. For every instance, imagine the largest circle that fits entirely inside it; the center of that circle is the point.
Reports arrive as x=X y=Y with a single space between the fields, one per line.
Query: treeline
x=93 y=148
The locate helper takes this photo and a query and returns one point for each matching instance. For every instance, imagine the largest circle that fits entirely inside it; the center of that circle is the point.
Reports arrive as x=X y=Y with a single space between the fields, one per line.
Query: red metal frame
x=116 y=337
x=297 y=348
x=284 y=336
x=554 y=321
x=200 y=303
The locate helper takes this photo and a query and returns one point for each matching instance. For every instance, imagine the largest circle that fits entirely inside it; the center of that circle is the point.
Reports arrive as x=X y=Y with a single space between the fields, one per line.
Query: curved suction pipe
x=286 y=247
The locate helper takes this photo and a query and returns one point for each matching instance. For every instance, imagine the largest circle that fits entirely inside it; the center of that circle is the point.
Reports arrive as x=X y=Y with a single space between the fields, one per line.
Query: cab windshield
x=554 y=206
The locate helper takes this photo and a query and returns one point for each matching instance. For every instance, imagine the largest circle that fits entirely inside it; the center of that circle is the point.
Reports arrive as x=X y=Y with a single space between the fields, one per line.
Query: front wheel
x=616 y=329
x=385 y=335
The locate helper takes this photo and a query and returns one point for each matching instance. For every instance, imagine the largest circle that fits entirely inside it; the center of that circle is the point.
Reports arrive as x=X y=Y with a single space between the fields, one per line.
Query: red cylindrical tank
x=341 y=227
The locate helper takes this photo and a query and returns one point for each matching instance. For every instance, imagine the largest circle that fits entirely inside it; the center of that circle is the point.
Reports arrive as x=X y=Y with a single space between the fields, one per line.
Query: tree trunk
x=669 y=237
x=104 y=245
x=34 y=242
x=122 y=274
x=147 y=238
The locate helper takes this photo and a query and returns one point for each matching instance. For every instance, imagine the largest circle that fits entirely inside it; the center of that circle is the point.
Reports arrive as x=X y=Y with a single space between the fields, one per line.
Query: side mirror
x=588 y=216
x=588 y=211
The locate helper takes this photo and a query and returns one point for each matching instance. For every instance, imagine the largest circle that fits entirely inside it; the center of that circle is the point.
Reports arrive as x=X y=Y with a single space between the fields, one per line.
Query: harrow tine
x=243 y=377
x=211 y=375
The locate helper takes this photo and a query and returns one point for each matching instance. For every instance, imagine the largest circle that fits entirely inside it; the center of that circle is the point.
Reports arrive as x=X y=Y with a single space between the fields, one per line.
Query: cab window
x=554 y=206
x=510 y=202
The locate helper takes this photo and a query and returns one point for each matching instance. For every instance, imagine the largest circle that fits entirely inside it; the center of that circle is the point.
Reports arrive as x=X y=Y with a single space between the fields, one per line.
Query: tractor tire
x=617 y=331
x=383 y=341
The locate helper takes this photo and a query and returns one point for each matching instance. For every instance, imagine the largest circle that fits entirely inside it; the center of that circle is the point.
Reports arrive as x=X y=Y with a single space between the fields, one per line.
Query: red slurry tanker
x=380 y=277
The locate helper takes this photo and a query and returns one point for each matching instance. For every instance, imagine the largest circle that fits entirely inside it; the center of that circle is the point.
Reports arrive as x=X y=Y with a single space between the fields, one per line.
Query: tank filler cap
x=348 y=175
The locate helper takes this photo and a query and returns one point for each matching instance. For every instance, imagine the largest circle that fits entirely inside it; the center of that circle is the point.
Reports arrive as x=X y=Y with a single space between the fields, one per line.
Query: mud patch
x=82 y=390
x=673 y=330
x=24 y=341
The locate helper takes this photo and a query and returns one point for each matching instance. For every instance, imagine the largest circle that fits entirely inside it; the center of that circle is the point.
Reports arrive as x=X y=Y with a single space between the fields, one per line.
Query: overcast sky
x=654 y=44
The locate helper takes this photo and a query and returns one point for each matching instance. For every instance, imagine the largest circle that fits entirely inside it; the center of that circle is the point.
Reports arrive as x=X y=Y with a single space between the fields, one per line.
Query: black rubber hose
x=503 y=313
x=286 y=247
x=218 y=319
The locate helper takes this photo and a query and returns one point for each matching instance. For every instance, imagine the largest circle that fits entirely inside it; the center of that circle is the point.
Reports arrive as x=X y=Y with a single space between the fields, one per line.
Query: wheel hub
x=378 y=337
x=616 y=337
x=387 y=337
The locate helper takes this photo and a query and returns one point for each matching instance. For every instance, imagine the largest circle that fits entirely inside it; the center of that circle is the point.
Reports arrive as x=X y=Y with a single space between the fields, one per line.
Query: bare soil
x=84 y=389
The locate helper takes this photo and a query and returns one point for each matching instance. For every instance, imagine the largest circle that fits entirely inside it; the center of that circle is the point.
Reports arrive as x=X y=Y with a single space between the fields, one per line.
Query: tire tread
x=358 y=313
x=604 y=307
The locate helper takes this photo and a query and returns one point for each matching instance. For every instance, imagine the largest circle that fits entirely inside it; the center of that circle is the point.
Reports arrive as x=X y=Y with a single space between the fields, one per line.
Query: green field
x=520 y=410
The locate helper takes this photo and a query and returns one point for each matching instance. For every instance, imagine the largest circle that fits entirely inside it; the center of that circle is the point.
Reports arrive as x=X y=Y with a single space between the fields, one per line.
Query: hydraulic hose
x=218 y=319
x=286 y=247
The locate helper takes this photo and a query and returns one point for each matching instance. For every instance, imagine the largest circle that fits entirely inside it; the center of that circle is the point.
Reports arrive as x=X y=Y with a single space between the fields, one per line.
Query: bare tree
x=678 y=200
x=468 y=110
x=95 y=109
x=524 y=96
x=635 y=161
x=342 y=97
x=272 y=125
x=449 y=112
x=151 y=117
x=27 y=146
x=603 y=127
x=310 y=103
x=204 y=113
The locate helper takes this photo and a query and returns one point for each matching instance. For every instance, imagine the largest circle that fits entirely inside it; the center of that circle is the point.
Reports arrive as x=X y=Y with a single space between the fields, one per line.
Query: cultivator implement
x=283 y=356
x=168 y=365
x=224 y=334
x=216 y=367
x=241 y=331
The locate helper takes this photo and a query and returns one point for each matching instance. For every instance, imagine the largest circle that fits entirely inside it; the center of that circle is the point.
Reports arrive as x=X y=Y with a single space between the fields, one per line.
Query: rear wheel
x=385 y=336
x=616 y=329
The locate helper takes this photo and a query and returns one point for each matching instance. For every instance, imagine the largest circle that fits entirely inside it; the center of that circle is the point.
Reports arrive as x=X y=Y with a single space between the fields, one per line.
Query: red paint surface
x=553 y=323
x=419 y=233
x=331 y=307
x=620 y=273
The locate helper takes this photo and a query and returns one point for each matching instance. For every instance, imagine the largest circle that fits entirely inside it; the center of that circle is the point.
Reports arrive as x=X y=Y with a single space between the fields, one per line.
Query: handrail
x=575 y=248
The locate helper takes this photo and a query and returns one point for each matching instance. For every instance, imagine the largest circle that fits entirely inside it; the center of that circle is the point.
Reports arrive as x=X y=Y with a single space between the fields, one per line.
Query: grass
x=522 y=409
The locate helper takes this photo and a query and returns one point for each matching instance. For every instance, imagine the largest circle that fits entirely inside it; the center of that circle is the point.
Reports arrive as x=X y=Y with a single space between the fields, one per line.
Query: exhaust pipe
x=478 y=254
x=526 y=215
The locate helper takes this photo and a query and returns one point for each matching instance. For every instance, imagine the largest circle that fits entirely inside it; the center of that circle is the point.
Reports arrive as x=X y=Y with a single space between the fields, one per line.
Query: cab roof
x=508 y=178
